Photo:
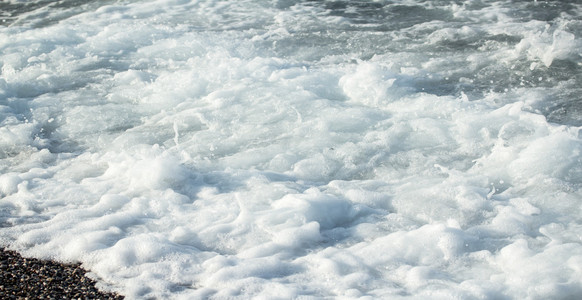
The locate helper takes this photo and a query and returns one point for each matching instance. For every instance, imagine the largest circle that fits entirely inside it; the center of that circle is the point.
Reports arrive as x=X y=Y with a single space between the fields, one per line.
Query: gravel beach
x=30 y=278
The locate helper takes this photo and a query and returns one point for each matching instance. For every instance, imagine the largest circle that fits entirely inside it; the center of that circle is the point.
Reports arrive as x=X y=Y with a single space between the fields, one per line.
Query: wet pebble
x=29 y=278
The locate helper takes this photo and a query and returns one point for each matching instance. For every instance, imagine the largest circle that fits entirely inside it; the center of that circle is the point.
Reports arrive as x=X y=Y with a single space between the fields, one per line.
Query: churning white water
x=278 y=149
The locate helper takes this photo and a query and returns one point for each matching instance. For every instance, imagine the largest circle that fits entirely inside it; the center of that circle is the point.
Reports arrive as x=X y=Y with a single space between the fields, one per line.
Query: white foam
x=243 y=149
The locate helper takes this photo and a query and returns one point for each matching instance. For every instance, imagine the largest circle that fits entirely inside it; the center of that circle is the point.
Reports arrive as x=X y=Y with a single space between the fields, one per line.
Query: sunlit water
x=296 y=149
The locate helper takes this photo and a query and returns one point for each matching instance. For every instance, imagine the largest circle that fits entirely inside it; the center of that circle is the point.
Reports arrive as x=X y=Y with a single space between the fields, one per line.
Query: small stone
x=29 y=278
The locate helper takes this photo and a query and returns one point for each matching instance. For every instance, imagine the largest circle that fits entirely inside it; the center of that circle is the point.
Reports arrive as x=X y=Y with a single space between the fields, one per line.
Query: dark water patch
x=565 y=107
x=42 y=13
x=382 y=16
x=10 y=11
x=542 y=10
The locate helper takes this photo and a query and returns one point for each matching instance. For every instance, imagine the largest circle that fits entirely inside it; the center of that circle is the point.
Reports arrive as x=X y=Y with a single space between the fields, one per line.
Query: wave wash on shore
x=296 y=149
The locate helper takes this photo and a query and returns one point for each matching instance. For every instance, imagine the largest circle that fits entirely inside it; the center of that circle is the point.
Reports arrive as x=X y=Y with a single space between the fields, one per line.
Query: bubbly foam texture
x=245 y=149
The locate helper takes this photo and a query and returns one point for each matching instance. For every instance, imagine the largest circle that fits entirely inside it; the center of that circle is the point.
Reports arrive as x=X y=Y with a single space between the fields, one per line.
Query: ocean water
x=278 y=149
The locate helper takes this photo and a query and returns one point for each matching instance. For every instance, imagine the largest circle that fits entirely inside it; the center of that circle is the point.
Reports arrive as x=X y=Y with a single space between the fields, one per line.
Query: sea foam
x=296 y=149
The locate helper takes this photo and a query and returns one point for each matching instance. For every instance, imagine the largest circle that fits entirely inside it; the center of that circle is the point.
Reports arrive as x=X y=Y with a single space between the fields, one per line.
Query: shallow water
x=296 y=149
